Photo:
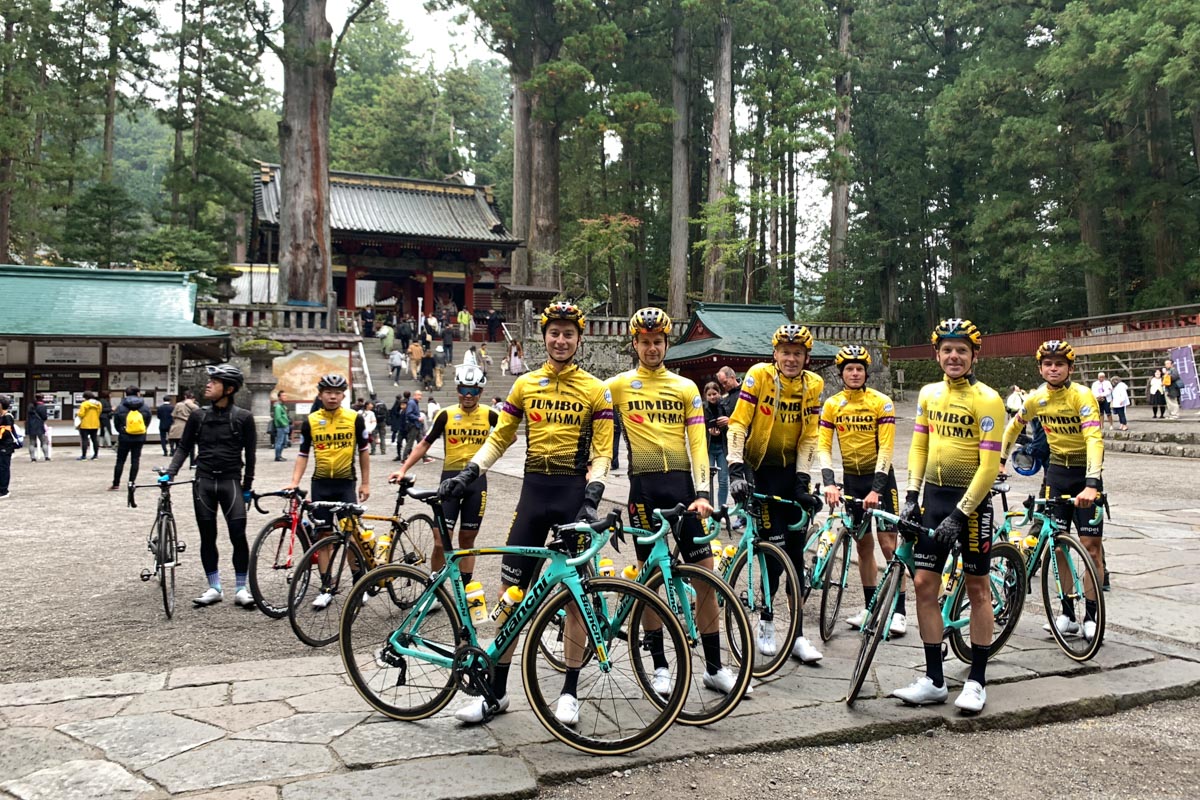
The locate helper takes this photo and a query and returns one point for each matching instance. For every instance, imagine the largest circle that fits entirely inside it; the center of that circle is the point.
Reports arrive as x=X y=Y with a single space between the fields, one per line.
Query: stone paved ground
x=103 y=698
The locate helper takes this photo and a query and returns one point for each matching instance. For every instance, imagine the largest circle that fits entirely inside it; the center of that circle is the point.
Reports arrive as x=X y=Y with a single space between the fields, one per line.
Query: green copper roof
x=737 y=330
x=99 y=303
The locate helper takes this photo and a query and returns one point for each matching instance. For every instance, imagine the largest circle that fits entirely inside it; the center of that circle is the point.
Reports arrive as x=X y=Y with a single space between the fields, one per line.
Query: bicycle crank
x=147 y=575
x=473 y=671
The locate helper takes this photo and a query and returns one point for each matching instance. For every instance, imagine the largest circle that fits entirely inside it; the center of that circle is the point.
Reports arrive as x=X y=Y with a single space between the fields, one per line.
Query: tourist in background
x=1120 y=401
x=716 y=440
x=36 y=431
x=1157 y=396
x=89 y=416
x=164 y=413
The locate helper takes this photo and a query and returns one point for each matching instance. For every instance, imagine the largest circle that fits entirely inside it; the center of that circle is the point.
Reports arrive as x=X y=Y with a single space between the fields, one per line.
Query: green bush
x=999 y=373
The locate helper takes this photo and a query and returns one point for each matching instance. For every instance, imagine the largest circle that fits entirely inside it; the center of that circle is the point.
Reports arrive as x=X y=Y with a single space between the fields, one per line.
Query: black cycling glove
x=911 y=510
x=739 y=486
x=807 y=501
x=591 y=499
x=951 y=528
x=456 y=487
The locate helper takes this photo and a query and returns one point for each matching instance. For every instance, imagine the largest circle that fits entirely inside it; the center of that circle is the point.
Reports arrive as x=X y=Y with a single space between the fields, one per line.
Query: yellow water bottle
x=366 y=536
x=511 y=598
x=730 y=550
x=383 y=549
x=607 y=570
x=630 y=573
x=1031 y=542
x=476 y=602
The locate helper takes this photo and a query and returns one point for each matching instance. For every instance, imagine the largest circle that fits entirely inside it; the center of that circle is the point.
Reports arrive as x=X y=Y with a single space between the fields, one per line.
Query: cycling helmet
x=852 y=354
x=1025 y=462
x=649 y=320
x=469 y=375
x=333 y=380
x=562 y=310
x=955 y=328
x=1056 y=347
x=227 y=374
x=792 y=333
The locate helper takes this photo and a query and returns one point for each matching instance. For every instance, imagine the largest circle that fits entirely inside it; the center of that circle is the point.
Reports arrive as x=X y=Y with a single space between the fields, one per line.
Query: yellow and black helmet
x=564 y=311
x=792 y=333
x=649 y=320
x=1056 y=347
x=956 y=328
x=852 y=354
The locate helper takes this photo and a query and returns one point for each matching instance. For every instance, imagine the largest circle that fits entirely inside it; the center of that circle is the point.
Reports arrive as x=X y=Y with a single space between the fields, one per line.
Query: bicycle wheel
x=617 y=714
x=833 y=582
x=777 y=617
x=874 y=628
x=703 y=705
x=273 y=559
x=412 y=541
x=165 y=556
x=320 y=585
x=1069 y=574
x=403 y=687
x=1006 y=581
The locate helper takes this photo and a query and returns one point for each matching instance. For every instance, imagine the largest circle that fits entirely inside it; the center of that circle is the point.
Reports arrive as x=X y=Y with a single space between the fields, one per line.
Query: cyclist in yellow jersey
x=663 y=418
x=864 y=422
x=568 y=429
x=773 y=431
x=464 y=428
x=1070 y=417
x=955 y=455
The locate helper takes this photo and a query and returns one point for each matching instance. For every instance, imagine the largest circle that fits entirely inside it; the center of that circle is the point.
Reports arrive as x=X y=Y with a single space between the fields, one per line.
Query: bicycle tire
x=750 y=598
x=700 y=707
x=1076 y=646
x=413 y=543
x=617 y=714
x=365 y=627
x=270 y=589
x=314 y=626
x=165 y=556
x=1007 y=581
x=874 y=628
x=833 y=582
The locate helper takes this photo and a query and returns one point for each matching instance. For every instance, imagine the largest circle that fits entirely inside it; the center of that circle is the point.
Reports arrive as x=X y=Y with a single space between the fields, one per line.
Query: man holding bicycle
x=333 y=434
x=465 y=427
x=663 y=418
x=568 y=425
x=226 y=438
x=955 y=455
x=773 y=431
x=864 y=422
x=1070 y=416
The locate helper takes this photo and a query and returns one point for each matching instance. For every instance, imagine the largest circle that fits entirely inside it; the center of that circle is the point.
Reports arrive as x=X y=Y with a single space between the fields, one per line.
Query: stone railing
x=840 y=333
x=233 y=318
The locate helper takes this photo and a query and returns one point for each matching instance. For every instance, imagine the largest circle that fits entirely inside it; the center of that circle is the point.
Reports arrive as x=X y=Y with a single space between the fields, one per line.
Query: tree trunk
x=839 y=220
x=1093 y=273
x=718 y=164
x=521 y=178
x=193 y=209
x=544 y=170
x=110 y=92
x=6 y=159
x=1196 y=133
x=177 y=157
x=1162 y=169
x=305 y=269
x=677 y=285
x=789 y=280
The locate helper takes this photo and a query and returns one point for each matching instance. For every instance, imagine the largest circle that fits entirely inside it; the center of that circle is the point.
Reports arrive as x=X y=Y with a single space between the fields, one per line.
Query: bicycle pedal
x=181 y=547
x=146 y=575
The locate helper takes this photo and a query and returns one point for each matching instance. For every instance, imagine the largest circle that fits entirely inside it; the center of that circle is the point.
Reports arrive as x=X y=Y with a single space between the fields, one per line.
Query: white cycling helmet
x=469 y=375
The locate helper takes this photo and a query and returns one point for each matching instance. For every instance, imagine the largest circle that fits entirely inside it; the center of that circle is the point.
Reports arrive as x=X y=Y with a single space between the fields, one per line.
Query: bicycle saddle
x=424 y=495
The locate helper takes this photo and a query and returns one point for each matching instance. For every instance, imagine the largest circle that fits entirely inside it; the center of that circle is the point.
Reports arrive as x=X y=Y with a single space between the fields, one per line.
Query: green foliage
x=103 y=227
x=176 y=247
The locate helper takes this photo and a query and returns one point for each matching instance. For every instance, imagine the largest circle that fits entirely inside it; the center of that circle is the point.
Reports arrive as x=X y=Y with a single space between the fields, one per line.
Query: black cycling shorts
x=224 y=493
x=470 y=506
x=545 y=501
x=859 y=486
x=776 y=517
x=335 y=490
x=1071 y=480
x=664 y=490
x=975 y=544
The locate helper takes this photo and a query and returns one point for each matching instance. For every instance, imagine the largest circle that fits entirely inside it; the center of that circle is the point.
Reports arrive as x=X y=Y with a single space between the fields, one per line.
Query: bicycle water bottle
x=476 y=602
x=630 y=573
x=366 y=536
x=730 y=551
x=823 y=544
x=511 y=598
x=607 y=570
x=383 y=548
x=717 y=551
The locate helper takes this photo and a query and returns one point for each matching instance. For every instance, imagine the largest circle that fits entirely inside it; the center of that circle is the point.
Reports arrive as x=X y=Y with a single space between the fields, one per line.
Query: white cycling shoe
x=922 y=692
x=566 y=710
x=857 y=620
x=211 y=596
x=323 y=600
x=899 y=625
x=475 y=711
x=661 y=683
x=243 y=598
x=1066 y=626
x=1089 y=629
x=765 y=638
x=972 y=697
x=803 y=650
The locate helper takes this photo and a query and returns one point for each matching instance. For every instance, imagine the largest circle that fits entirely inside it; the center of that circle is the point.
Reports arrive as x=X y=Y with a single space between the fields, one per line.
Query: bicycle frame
x=1050 y=528
x=749 y=515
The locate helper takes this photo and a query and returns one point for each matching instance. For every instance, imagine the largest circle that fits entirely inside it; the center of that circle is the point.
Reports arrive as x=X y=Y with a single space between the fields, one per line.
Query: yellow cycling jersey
x=1071 y=418
x=89 y=415
x=956 y=439
x=663 y=418
x=464 y=432
x=568 y=424
x=334 y=436
x=774 y=423
x=864 y=421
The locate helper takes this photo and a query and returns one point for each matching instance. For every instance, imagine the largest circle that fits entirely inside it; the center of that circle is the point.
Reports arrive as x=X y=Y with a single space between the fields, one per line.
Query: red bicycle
x=277 y=548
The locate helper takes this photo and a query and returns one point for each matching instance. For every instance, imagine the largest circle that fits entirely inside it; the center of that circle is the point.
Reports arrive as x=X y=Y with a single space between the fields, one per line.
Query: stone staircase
x=498 y=385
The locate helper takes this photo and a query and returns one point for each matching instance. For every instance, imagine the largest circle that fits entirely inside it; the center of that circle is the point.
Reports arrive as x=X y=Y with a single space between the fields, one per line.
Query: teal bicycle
x=1006 y=579
x=830 y=570
x=1070 y=579
x=766 y=585
x=410 y=650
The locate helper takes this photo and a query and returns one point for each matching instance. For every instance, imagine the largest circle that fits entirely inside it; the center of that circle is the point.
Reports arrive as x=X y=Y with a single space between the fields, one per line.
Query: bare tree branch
x=337 y=44
x=259 y=19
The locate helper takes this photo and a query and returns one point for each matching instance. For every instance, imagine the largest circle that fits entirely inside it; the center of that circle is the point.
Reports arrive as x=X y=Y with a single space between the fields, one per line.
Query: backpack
x=135 y=423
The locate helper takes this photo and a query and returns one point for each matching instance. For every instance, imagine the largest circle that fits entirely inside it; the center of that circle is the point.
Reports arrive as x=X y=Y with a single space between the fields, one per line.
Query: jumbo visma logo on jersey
x=785 y=411
x=857 y=422
x=558 y=412
x=656 y=412
x=325 y=440
x=952 y=424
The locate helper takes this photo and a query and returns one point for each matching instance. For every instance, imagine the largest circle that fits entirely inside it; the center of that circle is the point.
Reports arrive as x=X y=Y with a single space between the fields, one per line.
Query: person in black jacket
x=716 y=440
x=8 y=443
x=129 y=445
x=35 y=431
x=163 y=412
x=395 y=419
x=226 y=438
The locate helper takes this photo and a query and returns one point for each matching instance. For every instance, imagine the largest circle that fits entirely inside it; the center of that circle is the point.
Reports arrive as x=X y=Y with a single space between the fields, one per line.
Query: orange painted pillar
x=429 y=292
x=351 y=287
